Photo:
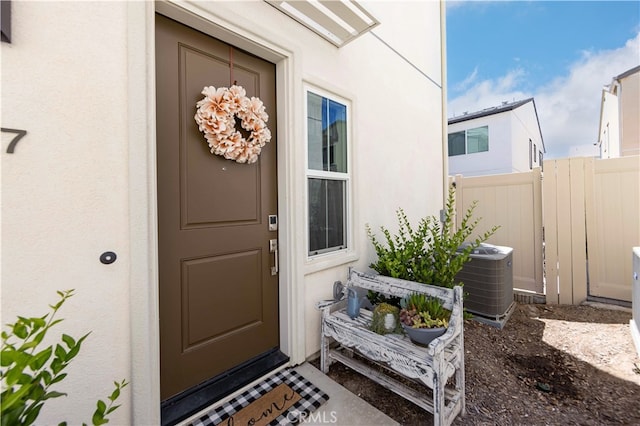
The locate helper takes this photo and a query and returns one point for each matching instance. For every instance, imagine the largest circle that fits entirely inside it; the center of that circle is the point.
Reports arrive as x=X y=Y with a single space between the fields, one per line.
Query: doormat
x=284 y=398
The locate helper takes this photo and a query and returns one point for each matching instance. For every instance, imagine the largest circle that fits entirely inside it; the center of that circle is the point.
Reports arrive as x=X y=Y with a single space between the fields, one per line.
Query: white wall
x=509 y=134
x=397 y=154
x=524 y=126
x=495 y=161
x=609 y=137
x=64 y=189
x=83 y=179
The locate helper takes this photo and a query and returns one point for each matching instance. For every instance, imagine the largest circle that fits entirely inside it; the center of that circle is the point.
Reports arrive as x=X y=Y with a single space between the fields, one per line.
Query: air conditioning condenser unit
x=488 y=283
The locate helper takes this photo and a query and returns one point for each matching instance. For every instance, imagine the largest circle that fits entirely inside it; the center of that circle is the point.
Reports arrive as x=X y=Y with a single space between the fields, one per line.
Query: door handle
x=273 y=248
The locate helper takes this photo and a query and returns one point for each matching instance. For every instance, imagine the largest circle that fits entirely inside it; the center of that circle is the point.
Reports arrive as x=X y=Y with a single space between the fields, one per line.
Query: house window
x=457 y=143
x=540 y=160
x=327 y=173
x=478 y=140
x=469 y=141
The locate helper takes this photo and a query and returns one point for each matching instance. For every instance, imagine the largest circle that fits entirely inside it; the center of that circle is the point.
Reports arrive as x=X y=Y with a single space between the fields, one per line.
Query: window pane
x=540 y=160
x=478 y=139
x=314 y=131
x=335 y=213
x=456 y=143
x=326 y=215
x=337 y=137
x=327 y=134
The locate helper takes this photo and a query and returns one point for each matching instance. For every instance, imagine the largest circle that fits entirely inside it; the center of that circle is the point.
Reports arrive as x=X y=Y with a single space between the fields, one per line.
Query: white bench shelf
x=439 y=366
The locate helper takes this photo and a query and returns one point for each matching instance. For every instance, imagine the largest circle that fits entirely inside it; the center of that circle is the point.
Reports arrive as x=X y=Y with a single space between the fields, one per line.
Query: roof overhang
x=337 y=21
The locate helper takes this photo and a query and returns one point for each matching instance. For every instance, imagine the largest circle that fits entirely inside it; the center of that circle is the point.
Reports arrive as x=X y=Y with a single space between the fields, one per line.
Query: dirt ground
x=549 y=365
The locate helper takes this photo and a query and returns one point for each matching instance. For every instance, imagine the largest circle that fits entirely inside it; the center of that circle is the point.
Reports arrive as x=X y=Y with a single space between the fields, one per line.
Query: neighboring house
x=219 y=264
x=502 y=139
x=619 y=131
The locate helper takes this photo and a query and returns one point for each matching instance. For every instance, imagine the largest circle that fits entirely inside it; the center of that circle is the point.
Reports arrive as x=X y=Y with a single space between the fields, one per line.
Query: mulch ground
x=549 y=365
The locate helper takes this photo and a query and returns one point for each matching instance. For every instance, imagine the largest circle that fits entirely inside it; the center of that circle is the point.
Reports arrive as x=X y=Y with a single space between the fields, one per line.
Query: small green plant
x=432 y=253
x=377 y=298
x=636 y=369
x=380 y=312
x=29 y=372
x=405 y=254
x=422 y=311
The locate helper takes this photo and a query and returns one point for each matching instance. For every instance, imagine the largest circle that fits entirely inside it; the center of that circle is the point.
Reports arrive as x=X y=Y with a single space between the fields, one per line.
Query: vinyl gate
x=591 y=209
x=581 y=214
x=513 y=201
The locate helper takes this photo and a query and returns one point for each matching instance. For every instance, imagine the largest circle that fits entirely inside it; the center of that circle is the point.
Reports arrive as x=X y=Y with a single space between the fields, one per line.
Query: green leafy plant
x=431 y=253
x=377 y=298
x=405 y=253
x=422 y=311
x=29 y=372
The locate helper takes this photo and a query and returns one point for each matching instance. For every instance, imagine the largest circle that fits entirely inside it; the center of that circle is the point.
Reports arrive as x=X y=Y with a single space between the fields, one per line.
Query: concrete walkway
x=343 y=408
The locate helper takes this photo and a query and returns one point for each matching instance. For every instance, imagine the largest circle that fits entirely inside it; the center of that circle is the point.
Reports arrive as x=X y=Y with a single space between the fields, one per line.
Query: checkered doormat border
x=312 y=398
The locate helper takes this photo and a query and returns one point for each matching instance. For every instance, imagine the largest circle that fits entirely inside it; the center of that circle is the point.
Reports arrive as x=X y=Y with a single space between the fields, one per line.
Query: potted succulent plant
x=423 y=318
x=385 y=319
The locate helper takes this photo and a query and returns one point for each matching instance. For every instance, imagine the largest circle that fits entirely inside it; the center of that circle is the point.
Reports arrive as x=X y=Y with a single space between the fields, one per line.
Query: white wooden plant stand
x=439 y=366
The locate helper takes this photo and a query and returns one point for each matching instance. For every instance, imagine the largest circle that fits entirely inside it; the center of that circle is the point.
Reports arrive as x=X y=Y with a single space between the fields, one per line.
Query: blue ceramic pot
x=423 y=336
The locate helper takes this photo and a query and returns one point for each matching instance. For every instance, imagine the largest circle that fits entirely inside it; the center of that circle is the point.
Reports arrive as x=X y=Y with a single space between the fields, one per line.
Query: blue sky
x=559 y=52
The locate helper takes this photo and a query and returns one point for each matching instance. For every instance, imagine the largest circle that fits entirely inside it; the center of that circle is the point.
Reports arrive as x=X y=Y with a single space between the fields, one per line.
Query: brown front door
x=218 y=297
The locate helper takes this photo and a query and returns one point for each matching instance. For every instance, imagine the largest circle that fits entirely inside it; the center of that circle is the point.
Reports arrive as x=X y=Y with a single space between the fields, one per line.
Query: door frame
x=224 y=25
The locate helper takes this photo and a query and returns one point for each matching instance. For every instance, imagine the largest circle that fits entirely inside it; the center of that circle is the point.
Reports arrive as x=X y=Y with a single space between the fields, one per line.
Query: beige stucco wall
x=79 y=77
x=619 y=111
x=64 y=189
x=397 y=141
x=630 y=113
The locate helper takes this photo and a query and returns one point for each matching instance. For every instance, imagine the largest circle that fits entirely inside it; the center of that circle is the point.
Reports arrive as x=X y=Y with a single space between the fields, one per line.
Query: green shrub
x=428 y=253
x=29 y=372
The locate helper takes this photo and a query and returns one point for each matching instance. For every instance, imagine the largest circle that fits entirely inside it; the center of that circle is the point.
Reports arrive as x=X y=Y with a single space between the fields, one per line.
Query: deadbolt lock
x=273 y=222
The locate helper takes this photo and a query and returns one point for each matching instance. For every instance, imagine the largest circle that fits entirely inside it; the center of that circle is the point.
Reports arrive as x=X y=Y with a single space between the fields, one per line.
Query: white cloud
x=468 y=81
x=568 y=106
x=489 y=93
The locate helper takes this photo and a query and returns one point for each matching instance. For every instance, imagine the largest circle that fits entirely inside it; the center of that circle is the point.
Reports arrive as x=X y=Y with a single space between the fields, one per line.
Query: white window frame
x=328 y=254
x=466 y=141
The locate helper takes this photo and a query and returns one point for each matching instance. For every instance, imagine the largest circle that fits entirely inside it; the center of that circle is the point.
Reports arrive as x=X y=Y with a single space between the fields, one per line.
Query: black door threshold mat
x=284 y=398
x=188 y=403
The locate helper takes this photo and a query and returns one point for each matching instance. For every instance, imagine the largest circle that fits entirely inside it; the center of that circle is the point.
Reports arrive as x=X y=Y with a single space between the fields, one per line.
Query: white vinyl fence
x=581 y=214
x=514 y=202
